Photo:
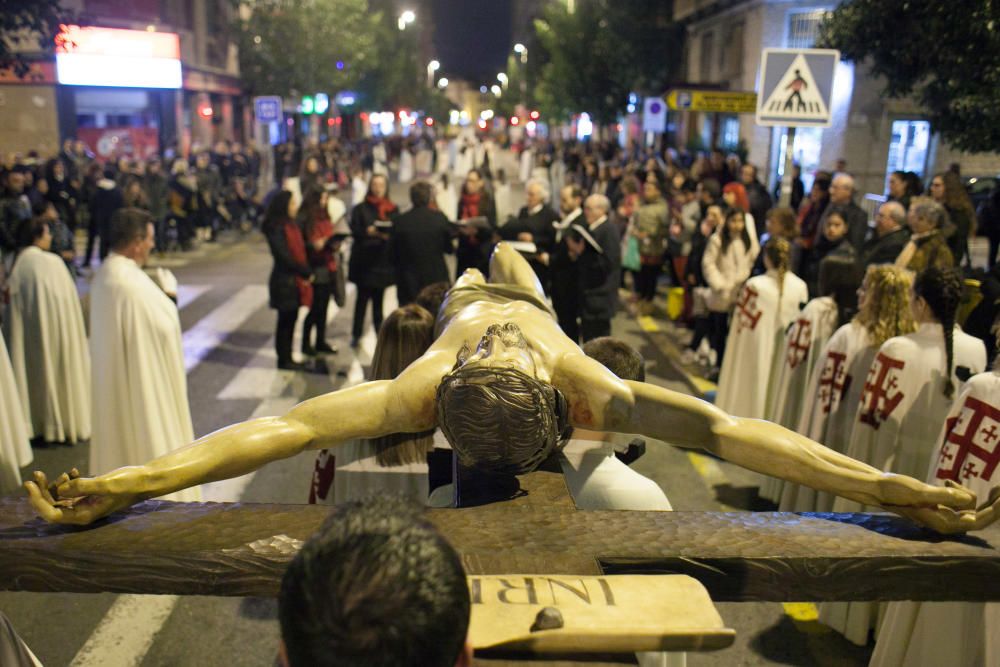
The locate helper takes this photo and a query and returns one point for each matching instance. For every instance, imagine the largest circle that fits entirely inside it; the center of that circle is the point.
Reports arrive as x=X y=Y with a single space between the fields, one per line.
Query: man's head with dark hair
x=617 y=356
x=496 y=414
x=131 y=234
x=421 y=194
x=432 y=296
x=377 y=586
x=33 y=231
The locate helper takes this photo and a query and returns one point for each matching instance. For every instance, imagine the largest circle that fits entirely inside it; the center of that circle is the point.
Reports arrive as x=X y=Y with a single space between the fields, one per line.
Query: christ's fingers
x=42 y=482
x=44 y=508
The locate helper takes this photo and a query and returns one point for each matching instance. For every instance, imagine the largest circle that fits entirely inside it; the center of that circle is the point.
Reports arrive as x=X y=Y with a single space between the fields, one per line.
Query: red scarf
x=297 y=249
x=470 y=205
x=382 y=206
x=322 y=229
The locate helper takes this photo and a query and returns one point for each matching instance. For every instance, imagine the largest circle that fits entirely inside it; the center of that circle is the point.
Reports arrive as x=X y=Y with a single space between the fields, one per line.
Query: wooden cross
x=241 y=549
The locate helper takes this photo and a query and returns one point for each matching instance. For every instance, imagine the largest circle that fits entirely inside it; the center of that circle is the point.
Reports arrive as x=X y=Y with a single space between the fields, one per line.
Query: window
x=731 y=52
x=908 y=148
x=803 y=28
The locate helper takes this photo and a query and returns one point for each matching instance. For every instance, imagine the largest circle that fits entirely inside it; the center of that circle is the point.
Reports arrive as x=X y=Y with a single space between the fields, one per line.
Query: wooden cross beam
x=240 y=549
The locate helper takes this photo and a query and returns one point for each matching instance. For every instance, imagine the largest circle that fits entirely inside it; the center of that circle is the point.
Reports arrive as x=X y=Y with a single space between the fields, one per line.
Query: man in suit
x=421 y=237
x=886 y=241
x=533 y=224
x=563 y=274
x=595 y=247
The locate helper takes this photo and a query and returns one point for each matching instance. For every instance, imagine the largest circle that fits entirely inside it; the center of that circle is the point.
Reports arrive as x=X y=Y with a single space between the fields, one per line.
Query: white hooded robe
x=139 y=383
x=757 y=321
x=958 y=634
x=48 y=347
x=898 y=419
x=15 y=450
x=802 y=344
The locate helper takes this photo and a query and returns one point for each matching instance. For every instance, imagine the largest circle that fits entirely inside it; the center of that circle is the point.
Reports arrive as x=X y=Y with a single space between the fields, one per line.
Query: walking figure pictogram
x=797 y=85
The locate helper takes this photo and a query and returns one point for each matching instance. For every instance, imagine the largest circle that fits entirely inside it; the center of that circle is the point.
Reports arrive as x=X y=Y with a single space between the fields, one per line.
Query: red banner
x=114 y=142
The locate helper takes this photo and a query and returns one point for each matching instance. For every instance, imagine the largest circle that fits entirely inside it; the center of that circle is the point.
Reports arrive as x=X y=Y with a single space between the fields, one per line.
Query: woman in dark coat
x=371 y=266
x=322 y=251
x=290 y=284
x=475 y=241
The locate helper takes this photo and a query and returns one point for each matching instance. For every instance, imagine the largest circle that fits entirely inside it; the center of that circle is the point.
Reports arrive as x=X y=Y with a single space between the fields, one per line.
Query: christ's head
x=496 y=413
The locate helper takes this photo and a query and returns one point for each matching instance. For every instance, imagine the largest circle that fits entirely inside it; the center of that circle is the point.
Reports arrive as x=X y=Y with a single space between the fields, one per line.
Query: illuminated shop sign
x=88 y=56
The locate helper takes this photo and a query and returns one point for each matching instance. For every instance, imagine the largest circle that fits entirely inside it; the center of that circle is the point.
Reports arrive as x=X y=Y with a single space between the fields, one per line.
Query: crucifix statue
x=506 y=387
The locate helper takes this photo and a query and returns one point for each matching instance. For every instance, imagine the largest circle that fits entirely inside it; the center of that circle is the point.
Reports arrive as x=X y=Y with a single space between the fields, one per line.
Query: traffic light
x=308 y=105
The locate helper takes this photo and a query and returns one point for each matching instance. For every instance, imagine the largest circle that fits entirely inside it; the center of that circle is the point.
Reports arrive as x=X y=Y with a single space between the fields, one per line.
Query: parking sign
x=267 y=109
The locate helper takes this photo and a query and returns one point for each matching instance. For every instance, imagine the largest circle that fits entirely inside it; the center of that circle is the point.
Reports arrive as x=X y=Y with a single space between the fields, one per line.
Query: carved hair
x=942 y=290
x=500 y=420
x=403 y=337
x=885 y=309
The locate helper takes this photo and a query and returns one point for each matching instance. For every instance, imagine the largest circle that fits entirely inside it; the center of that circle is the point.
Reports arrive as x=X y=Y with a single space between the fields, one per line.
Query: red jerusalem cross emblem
x=798 y=342
x=747 y=313
x=881 y=394
x=970 y=448
x=833 y=381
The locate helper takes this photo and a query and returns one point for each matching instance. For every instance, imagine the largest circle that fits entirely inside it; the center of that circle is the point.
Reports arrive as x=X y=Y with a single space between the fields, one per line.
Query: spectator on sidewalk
x=421 y=238
x=888 y=237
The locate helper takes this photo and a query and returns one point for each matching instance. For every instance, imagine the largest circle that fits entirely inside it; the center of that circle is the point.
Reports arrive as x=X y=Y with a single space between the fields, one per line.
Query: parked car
x=979 y=188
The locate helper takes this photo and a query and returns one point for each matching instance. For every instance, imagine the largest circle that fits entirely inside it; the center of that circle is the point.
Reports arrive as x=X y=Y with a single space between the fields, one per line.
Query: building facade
x=116 y=86
x=875 y=136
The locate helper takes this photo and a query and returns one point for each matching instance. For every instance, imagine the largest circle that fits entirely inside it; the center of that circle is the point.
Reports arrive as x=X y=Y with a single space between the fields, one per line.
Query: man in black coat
x=420 y=239
x=563 y=274
x=886 y=241
x=760 y=201
x=595 y=247
x=533 y=224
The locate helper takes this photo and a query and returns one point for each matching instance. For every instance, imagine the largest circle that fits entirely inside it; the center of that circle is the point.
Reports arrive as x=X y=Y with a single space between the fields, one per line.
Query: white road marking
x=212 y=329
x=188 y=293
x=127 y=631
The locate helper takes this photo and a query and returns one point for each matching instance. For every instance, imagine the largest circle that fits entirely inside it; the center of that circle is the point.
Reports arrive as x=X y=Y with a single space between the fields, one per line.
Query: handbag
x=631 y=259
x=340 y=283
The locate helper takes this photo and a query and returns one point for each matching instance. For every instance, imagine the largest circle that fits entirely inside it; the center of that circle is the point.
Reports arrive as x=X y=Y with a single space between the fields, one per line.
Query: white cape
x=48 y=347
x=15 y=450
x=958 y=634
x=756 y=323
x=405 y=174
x=831 y=402
x=791 y=368
x=139 y=383
x=900 y=414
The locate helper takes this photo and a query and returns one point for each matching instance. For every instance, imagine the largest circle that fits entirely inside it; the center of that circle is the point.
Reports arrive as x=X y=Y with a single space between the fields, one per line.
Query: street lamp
x=443 y=82
x=432 y=67
x=495 y=89
x=406 y=18
x=502 y=78
x=523 y=51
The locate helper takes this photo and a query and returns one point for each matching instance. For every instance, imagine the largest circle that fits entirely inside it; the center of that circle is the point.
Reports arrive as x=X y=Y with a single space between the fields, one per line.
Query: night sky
x=472 y=38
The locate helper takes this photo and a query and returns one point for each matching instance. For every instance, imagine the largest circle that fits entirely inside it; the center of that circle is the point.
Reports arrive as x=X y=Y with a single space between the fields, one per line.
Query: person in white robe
x=525 y=164
x=395 y=464
x=836 y=382
x=801 y=345
x=957 y=634
x=907 y=393
x=47 y=340
x=445 y=197
x=141 y=409
x=15 y=448
x=766 y=305
x=380 y=159
x=406 y=166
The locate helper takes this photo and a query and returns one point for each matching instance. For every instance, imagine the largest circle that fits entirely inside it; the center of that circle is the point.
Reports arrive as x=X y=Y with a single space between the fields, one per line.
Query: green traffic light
x=308 y=105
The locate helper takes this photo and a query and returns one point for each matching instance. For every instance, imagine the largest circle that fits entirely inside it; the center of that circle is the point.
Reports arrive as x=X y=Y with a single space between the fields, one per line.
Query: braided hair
x=942 y=290
x=778 y=252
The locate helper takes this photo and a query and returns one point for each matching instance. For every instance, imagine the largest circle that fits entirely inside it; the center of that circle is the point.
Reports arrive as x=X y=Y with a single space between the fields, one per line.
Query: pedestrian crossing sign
x=796 y=87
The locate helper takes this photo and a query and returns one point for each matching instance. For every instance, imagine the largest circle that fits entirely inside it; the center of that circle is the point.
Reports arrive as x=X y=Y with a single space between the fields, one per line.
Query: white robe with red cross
x=790 y=370
x=902 y=408
x=831 y=401
x=761 y=314
x=958 y=634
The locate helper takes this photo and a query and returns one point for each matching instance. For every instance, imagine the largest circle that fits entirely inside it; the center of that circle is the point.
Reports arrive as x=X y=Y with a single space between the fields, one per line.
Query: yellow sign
x=725 y=101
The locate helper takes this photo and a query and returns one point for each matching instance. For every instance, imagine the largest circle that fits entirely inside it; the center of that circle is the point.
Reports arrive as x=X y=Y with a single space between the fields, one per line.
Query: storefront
x=118 y=90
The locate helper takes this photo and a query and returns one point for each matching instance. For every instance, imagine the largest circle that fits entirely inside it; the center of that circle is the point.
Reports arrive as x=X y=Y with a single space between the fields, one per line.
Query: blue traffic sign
x=796 y=87
x=267 y=109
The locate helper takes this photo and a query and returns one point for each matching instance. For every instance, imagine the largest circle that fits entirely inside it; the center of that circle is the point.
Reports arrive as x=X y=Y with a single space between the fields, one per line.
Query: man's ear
x=464 y=658
x=282 y=653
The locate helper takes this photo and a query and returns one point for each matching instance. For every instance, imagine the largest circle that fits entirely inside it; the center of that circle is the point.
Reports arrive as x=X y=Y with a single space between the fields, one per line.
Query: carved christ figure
x=506 y=386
